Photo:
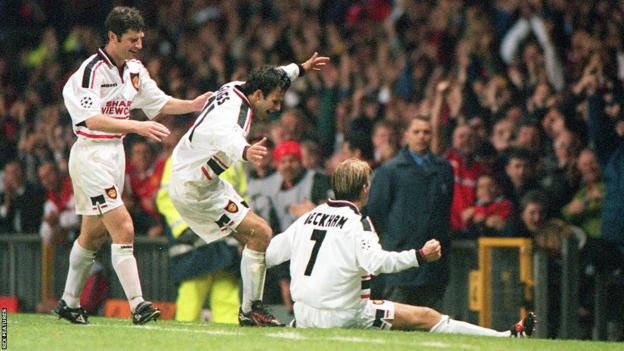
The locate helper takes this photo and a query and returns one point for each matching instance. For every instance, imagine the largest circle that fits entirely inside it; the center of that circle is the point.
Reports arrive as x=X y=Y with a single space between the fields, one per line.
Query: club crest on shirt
x=134 y=78
x=231 y=207
x=111 y=192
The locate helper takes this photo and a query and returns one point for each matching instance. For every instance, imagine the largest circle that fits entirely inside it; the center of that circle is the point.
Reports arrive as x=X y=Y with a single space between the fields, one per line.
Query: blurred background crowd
x=511 y=88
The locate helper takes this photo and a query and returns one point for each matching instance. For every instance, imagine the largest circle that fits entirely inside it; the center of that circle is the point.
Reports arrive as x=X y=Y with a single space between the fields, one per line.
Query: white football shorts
x=213 y=210
x=371 y=314
x=97 y=170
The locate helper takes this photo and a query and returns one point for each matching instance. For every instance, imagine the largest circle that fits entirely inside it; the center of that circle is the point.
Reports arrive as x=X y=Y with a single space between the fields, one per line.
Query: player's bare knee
x=258 y=239
x=123 y=233
x=266 y=232
x=127 y=229
x=262 y=240
x=257 y=244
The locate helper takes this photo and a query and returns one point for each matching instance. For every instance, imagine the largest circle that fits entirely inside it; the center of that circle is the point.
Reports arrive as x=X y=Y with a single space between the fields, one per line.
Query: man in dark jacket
x=609 y=148
x=410 y=203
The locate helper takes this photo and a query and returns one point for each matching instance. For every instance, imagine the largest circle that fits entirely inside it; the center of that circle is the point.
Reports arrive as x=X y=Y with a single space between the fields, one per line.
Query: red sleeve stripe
x=105 y=56
x=371 y=224
x=248 y=122
x=205 y=172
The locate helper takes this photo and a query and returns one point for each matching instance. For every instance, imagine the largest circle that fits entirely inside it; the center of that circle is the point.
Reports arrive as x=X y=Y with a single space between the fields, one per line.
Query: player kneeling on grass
x=334 y=250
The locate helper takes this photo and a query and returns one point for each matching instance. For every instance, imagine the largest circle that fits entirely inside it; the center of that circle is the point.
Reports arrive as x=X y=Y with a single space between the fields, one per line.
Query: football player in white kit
x=99 y=97
x=210 y=206
x=334 y=250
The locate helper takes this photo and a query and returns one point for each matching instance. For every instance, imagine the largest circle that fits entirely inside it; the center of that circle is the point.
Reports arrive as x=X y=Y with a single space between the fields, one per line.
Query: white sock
x=80 y=262
x=125 y=266
x=253 y=270
x=451 y=326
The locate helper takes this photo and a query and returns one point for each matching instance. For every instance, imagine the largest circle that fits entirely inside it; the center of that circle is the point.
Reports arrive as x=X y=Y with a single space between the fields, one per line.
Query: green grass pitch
x=35 y=332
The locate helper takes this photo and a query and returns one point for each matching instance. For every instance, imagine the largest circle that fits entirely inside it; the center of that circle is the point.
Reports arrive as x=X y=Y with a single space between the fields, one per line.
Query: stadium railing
x=566 y=268
x=21 y=272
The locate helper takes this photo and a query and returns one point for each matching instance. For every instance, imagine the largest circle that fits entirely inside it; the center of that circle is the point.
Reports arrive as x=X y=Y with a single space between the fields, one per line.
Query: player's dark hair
x=267 y=79
x=360 y=140
x=350 y=177
x=122 y=19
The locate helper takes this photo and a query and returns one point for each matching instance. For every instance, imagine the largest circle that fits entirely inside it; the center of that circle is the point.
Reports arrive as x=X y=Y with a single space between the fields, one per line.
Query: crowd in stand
x=525 y=99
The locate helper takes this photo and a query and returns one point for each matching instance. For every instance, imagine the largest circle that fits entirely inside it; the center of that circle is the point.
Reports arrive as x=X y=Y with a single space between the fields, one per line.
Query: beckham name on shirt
x=325 y=220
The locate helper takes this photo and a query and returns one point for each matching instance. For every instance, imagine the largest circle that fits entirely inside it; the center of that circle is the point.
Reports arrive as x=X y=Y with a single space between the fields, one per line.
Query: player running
x=334 y=250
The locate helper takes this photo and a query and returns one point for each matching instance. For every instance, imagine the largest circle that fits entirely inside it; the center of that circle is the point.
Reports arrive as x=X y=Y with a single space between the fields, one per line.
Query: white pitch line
x=187 y=330
x=287 y=335
x=294 y=336
x=356 y=339
x=443 y=345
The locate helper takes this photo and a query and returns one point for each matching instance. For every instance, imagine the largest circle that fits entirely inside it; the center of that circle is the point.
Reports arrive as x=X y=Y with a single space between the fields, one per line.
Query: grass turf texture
x=45 y=332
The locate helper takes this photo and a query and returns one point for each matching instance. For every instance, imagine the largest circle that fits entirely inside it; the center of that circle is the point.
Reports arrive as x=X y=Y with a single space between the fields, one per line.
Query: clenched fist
x=432 y=250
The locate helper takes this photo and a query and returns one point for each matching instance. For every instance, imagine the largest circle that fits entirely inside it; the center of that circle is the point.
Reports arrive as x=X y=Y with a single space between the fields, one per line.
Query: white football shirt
x=218 y=136
x=98 y=87
x=333 y=252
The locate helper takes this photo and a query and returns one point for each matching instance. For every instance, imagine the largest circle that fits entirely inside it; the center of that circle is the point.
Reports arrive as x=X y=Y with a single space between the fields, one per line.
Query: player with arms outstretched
x=334 y=250
x=210 y=206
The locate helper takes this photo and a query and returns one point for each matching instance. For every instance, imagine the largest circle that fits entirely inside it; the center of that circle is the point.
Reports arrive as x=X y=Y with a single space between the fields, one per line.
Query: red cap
x=287 y=148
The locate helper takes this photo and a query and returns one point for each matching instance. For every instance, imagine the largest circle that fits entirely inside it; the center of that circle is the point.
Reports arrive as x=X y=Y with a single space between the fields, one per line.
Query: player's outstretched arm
x=149 y=129
x=315 y=63
x=178 y=107
x=375 y=260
